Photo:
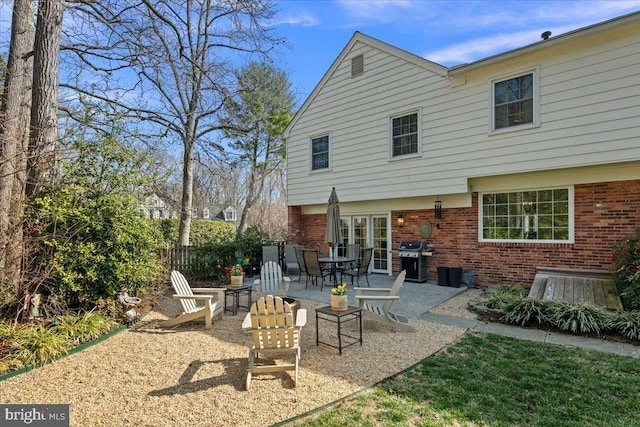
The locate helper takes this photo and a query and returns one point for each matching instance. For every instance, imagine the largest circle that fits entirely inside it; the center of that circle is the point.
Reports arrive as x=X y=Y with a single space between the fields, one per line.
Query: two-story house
x=530 y=157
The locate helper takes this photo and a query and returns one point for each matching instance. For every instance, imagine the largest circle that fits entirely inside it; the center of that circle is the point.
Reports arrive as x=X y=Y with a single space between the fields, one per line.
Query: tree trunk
x=187 y=196
x=14 y=137
x=44 y=100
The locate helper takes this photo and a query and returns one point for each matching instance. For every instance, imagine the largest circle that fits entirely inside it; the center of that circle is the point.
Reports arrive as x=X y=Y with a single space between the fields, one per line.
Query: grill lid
x=412 y=246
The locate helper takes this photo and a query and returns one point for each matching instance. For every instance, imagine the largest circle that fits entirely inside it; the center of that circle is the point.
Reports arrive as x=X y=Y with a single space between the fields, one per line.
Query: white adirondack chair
x=208 y=308
x=271 y=324
x=271 y=281
x=369 y=300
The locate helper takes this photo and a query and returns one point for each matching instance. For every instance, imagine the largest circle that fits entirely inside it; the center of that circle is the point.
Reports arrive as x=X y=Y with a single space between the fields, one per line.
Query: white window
x=539 y=215
x=205 y=213
x=514 y=101
x=230 y=214
x=405 y=134
x=320 y=153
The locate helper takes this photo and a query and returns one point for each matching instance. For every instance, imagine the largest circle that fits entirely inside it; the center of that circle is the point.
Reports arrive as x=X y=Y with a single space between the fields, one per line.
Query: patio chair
x=270 y=253
x=313 y=268
x=300 y=260
x=271 y=281
x=369 y=298
x=195 y=306
x=271 y=324
x=291 y=260
x=362 y=269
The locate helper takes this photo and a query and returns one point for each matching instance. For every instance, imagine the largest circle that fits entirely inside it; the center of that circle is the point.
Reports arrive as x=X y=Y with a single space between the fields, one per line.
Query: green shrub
x=202 y=232
x=525 y=311
x=501 y=296
x=626 y=323
x=625 y=269
x=37 y=344
x=82 y=328
x=92 y=237
x=578 y=318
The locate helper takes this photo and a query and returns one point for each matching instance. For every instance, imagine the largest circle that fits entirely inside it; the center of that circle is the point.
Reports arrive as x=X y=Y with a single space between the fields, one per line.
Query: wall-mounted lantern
x=400 y=220
x=437 y=208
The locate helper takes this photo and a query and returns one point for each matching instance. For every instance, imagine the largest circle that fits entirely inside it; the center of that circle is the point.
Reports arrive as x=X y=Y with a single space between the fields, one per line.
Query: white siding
x=589 y=115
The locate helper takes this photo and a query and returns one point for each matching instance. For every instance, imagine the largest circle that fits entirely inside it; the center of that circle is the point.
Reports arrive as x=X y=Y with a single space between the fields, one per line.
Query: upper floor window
x=404 y=135
x=514 y=101
x=320 y=153
x=527 y=215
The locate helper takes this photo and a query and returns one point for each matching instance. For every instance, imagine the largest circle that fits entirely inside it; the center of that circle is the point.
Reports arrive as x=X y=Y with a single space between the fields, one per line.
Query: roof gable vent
x=357 y=66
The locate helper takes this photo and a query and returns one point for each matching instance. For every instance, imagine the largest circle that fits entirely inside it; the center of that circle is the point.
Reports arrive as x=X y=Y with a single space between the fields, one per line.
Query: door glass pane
x=360 y=231
x=344 y=224
x=380 y=243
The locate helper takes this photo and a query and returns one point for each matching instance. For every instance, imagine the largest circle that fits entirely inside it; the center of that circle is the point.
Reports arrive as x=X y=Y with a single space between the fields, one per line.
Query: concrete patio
x=416 y=299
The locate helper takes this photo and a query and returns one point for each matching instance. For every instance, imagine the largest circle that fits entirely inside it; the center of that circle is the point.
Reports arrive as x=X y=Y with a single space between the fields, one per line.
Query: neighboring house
x=154 y=207
x=532 y=154
x=221 y=213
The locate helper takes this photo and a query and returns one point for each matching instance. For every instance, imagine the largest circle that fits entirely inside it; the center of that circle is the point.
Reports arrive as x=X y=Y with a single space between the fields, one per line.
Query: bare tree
x=181 y=53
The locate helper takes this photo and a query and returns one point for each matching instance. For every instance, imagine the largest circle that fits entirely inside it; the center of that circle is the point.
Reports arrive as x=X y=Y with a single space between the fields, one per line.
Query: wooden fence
x=192 y=260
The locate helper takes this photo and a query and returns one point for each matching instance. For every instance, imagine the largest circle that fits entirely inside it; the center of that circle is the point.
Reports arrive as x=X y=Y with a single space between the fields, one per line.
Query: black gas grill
x=412 y=260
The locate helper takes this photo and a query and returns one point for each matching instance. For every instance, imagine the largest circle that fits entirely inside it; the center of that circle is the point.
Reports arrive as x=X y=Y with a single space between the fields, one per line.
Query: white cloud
x=303 y=19
x=557 y=17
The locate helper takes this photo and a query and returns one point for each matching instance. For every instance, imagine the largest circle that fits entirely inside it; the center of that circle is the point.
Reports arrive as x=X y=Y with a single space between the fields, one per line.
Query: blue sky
x=447 y=32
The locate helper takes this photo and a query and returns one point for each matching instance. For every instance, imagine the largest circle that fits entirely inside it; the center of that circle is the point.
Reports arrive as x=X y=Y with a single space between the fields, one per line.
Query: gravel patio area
x=190 y=376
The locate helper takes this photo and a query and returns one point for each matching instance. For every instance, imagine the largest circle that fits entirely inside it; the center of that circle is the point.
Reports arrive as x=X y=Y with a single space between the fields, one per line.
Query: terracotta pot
x=339 y=302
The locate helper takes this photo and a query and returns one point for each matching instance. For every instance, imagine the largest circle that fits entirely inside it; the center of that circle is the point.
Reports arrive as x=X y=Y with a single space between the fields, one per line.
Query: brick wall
x=604 y=214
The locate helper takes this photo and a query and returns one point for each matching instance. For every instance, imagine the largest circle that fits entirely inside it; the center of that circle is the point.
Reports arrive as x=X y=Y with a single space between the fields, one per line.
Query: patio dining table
x=333 y=264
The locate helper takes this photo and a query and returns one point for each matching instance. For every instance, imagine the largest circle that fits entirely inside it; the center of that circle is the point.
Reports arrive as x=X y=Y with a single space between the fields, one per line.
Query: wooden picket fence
x=189 y=259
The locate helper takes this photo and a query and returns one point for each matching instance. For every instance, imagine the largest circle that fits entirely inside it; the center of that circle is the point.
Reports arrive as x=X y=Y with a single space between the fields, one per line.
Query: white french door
x=370 y=231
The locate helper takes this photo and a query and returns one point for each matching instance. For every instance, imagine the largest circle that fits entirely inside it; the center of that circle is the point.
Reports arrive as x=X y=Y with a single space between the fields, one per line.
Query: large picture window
x=513 y=102
x=543 y=215
x=404 y=135
x=320 y=153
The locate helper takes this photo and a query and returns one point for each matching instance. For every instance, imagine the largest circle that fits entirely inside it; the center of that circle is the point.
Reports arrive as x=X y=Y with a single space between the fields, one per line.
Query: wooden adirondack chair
x=271 y=324
x=367 y=296
x=208 y=308
x=271 y=281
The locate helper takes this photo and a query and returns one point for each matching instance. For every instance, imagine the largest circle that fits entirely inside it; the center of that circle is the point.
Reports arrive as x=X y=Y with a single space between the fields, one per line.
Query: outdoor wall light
x=437 y=209
x=400 y=220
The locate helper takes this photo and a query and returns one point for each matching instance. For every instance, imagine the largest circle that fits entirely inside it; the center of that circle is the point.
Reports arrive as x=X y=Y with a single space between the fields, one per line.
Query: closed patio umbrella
x=334 y=231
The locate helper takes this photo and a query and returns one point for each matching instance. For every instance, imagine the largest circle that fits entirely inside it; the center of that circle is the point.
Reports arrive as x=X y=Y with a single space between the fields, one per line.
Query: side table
x=234 y=294
x=333 y=316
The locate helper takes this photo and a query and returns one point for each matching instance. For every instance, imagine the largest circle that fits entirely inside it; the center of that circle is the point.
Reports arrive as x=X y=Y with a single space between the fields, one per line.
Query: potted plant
x=237 y=275
x=339 y=301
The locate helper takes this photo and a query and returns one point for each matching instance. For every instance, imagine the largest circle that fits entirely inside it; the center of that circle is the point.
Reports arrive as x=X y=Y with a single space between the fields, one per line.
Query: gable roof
x=370 y=41
x=543 y=44
x=459 y=69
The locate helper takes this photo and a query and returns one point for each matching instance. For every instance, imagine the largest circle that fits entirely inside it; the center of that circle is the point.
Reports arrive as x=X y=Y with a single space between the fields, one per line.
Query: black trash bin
x=455 y=277
x=443 y=276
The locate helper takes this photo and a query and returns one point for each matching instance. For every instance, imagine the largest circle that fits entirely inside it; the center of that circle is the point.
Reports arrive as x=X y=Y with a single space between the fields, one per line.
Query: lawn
x=489 y=380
